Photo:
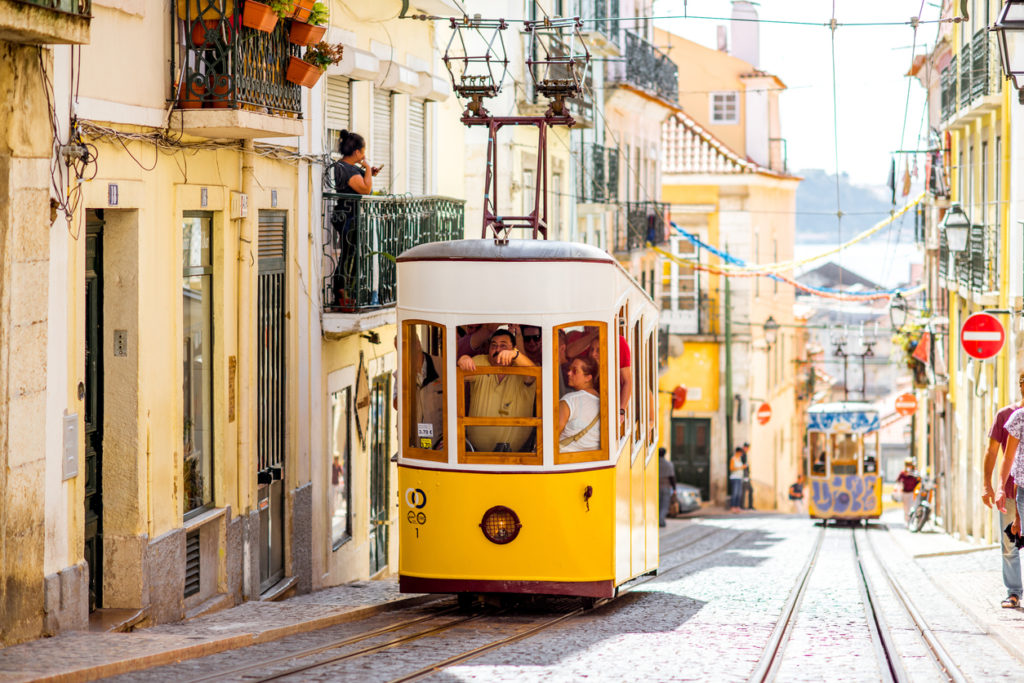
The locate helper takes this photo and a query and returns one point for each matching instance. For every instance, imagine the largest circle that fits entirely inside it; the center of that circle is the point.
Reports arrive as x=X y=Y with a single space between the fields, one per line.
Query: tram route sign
x=982 y=336
x=906 y=404
x=764 y=413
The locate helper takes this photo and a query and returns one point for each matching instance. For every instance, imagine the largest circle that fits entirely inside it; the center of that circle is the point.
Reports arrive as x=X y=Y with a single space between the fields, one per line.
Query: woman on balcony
x=353 y=174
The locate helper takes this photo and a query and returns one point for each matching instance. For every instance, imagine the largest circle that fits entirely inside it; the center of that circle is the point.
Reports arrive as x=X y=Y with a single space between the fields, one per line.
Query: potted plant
x=263 y=16
x=303 y=9
x=307 y=71
x=313 y=29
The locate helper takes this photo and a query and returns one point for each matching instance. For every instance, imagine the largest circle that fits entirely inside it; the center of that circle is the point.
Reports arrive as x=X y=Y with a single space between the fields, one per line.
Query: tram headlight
x=500 y=525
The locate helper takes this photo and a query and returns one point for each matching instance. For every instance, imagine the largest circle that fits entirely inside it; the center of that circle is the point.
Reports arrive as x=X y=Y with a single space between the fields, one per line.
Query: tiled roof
x=688 y=148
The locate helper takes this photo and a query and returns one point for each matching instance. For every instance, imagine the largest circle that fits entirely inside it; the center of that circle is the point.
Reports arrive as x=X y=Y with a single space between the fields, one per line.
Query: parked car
x=686 y=499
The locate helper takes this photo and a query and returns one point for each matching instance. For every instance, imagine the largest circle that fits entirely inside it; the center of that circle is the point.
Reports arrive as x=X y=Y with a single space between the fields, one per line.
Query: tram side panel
x=623 y=511
x=651 y=510
x=845 y=496
x=564 y=546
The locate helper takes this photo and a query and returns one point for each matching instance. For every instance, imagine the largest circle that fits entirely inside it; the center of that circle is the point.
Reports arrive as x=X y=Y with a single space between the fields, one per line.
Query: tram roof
x=843 y=407
x=513 y=250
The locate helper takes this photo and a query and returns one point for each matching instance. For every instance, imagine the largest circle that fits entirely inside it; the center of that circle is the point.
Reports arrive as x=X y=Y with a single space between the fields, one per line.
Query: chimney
x=723 y=40
x=745 y=32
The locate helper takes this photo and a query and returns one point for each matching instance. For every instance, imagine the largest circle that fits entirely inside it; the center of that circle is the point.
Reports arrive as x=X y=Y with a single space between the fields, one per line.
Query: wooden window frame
x=636 y=352
x=408 y=393
x=651 y=431
x=601 y=454
x=490 y=457
x=621 y=330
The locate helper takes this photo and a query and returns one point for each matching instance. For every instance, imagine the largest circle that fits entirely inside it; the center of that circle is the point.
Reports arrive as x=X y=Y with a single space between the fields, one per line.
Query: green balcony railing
x=364 y=234
x=947 y=89
x=219 y=63
x=646 y=67
x=598 y=174
x=78 y=7
x=601 y=16
x=638 y=223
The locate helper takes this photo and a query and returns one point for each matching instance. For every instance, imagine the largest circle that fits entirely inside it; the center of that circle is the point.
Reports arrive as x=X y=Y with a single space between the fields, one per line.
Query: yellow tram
x=517 y=473
x=843 y=482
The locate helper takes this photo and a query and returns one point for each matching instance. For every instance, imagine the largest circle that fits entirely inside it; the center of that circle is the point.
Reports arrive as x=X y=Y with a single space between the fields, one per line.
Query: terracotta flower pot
x=305 y=34
x=191 y=98
x=302 y=9
x=200 y=29
x=259 y=16
x=303 y=73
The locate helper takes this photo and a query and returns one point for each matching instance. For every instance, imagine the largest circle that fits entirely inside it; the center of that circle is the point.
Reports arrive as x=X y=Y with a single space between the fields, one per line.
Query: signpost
x=906 y=404
x=982 y=336
x=764 y=413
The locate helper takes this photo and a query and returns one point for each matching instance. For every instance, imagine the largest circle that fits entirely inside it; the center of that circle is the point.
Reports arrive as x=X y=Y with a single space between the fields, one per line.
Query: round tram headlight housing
x=500 y=525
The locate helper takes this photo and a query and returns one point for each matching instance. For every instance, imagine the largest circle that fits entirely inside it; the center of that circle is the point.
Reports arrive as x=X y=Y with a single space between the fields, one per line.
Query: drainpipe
x=246 y=472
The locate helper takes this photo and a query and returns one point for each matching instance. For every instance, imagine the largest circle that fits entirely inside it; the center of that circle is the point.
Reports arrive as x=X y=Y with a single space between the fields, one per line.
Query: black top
x=342 y=173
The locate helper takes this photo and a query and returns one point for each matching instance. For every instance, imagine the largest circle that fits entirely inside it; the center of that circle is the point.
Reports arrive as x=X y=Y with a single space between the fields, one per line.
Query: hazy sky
x=870 y=67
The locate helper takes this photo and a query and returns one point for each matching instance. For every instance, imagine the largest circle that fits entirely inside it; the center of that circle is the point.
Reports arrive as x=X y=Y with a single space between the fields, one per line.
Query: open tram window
x=425 y=390
x=845 y=453
x=581 y=411
x=623 y=388
x=499 y=392
x=818 y=444
x=638 y=389
x=652 y=385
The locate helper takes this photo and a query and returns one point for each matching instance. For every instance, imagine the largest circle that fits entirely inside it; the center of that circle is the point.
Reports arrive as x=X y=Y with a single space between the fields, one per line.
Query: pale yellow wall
x=126 y=60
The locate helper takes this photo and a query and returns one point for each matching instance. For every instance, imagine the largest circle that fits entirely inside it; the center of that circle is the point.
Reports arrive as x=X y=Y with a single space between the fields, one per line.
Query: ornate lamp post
x=771 y=332
x=1009 y=30
x=957 y=226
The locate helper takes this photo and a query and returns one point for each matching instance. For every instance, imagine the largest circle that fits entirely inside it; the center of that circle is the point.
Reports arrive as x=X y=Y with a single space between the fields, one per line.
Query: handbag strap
x=580 y=434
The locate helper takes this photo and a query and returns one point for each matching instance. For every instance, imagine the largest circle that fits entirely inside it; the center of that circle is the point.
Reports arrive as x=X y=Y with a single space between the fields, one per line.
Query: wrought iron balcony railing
x=78 y=7
x=598 y=174
x=947 y=86
x=601 y=16
x=638 y=223
x=219 y=63
x=646 y=67
x=364 y=234
x=943 y=255
x=976 y=267
x=965 y=75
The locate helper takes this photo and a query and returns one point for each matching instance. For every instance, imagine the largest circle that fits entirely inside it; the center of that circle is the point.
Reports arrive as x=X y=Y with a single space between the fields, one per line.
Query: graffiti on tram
x=846 y=494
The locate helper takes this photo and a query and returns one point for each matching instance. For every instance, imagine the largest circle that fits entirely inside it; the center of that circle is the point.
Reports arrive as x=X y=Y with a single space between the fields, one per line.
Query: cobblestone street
x=717 y=611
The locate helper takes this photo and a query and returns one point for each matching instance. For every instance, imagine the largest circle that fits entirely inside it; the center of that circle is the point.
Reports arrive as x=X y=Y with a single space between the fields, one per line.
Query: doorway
x=93 y=405
x=691 y=453
x=380 y=447
x=270 y=399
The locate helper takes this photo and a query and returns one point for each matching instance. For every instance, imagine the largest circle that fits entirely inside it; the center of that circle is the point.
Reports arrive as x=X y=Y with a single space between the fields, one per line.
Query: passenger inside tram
x=844 y=455
x=500 y=395
x=428 y=396
x=528 y=339
x=579 y=411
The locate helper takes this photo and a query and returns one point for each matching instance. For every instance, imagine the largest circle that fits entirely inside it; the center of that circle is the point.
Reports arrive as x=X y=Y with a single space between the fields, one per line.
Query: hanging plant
x=308 y=70
x=904 y=344
x=313 y=29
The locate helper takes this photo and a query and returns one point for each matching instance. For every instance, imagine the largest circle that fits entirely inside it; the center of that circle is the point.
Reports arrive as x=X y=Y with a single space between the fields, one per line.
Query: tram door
x=270 y=395
x=93 y=407
x=380 y=447
x=691 y=453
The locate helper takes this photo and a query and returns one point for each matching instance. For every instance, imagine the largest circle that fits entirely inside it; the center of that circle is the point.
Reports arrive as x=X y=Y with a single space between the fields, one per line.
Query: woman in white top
x=579 y=411
x=1013 y=463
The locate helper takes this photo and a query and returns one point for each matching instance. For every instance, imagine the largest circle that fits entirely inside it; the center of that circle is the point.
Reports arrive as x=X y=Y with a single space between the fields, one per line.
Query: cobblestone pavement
x=723 y=584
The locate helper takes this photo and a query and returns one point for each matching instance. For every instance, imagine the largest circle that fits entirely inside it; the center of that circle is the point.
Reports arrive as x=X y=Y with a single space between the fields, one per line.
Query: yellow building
x=718 y=347
x=205 y=413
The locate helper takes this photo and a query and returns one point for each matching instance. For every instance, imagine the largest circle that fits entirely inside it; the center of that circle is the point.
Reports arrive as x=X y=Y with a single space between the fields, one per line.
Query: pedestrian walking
x=736 y=480
x=796 y=494
x=905 y=484
x=748 y=488
x=997 y=439
x=666 y=484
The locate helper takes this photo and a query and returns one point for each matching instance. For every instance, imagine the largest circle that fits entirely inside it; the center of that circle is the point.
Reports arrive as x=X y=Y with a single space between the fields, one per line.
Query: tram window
x=424 y=388
x=623 y=387
x=652 y=385
x=638 y=391
x=499 y=396
x=817 y=443
x=580 y=412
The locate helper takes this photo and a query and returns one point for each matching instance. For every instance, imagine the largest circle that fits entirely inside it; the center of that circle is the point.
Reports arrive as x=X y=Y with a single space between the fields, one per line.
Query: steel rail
x=881 y=637
x=770 y=660
x=942 y=657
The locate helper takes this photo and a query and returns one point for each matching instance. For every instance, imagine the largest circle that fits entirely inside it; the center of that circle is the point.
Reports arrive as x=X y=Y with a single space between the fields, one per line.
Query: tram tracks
x=443 y=623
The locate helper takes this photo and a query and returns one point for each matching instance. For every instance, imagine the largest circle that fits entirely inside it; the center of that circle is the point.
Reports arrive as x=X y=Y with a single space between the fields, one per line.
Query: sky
x=870 y=63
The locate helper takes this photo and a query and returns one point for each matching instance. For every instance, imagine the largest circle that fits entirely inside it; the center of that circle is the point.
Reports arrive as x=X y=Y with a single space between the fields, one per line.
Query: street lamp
x=957 y=225
x=771 y=331
x=898 y=312
x=1009 y=30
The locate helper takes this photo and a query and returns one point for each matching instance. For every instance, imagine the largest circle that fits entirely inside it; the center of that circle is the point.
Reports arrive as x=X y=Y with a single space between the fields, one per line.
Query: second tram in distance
x=843 y=482
x=528 y=434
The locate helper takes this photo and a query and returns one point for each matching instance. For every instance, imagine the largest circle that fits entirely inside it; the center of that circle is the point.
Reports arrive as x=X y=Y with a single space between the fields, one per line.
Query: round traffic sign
x=906 y=404
x=982 y=336
x=764 y=413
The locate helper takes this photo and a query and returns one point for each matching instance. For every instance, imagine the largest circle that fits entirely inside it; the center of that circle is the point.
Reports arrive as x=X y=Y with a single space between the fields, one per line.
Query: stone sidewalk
x=86 y=656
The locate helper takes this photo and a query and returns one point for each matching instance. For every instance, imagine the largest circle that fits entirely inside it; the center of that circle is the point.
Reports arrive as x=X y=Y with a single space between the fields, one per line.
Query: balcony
x=647 y=68
x=45 y=22
x=638 y=223
x=598 y=174
x=947 y=87
x=973 y=81
x=363 y=234
x=232 y=78
x=600 y=26
x=976 y=268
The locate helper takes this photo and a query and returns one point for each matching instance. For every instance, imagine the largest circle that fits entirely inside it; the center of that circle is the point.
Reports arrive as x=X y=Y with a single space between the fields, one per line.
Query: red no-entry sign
x=764 y=413
x=906 y=404
x=982 y=336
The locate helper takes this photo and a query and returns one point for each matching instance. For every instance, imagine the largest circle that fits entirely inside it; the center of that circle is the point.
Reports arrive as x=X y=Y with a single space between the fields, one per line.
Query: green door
x=691 y=452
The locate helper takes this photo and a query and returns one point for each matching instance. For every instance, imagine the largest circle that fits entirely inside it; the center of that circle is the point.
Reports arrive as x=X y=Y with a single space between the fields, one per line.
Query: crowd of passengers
x=514 y=395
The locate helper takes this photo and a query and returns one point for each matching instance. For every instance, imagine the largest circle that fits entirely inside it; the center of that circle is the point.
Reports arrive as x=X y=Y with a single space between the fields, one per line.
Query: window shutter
x=380 y=153
x=417 y=167
x=338 y=115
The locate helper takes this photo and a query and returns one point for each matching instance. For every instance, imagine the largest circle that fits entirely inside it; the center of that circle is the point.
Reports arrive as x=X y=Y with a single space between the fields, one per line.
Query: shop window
x=581 y=410
x=424 y=390
x=197 y=349
x=340 y=448
x=499 y=391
